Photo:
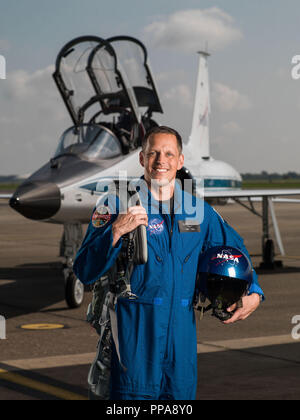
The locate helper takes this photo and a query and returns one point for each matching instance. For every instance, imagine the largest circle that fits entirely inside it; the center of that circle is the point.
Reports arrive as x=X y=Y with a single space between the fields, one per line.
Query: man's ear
x=142 y=159
x=180 y=162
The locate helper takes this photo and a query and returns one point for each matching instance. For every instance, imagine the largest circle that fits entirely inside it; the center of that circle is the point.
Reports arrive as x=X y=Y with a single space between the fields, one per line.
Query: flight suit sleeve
x=96 y=254
x=220 y=233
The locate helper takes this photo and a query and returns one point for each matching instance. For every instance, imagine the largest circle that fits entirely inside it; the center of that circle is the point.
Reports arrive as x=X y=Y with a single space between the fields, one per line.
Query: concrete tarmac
x=258 y=358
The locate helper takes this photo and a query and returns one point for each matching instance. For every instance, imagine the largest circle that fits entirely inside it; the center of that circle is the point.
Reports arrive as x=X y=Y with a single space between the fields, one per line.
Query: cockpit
x=91 y=141
x=110 y=94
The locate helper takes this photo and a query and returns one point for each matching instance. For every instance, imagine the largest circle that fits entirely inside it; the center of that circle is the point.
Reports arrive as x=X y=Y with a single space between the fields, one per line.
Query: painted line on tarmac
x=13 y=366
x=51 y=361
x=18 y=379
x=9 y=374
x=289 y=257
x=243 y=343
x=202 y=347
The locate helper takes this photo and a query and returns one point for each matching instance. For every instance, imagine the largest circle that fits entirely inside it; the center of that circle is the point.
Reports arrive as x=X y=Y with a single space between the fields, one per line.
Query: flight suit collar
x=149 y=201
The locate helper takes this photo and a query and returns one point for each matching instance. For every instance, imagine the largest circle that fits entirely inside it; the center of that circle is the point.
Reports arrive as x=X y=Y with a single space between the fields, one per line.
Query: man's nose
x=160 y=158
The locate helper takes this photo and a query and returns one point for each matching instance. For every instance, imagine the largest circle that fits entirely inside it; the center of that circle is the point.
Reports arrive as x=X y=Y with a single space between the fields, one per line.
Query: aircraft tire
x=74 y=291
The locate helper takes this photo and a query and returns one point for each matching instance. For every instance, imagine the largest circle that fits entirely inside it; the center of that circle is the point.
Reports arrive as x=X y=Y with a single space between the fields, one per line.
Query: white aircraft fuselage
x=76 y=197
x=93 y=153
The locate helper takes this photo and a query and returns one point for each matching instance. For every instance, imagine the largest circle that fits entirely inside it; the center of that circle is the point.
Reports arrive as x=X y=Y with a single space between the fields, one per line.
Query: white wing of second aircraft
x=250 y=193
x=267 y=197
x=5 y=196
x=276 y=195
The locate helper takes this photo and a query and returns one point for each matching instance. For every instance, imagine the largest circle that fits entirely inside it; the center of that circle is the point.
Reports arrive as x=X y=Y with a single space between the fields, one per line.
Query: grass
x=265 y=184
x=9 y=187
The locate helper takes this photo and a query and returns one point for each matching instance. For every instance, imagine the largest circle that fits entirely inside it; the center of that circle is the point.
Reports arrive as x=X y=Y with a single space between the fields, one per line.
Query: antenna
x=205 y=51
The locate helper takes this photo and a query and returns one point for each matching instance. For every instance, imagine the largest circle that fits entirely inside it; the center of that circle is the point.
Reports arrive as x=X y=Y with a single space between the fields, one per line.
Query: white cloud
x=170 y=77
x=228 y=99
x=189 y=30
x=32 y=119
x=231 y=127
x=181 y=94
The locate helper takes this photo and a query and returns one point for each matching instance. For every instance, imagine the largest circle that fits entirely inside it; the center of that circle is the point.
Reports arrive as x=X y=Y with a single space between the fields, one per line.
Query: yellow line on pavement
x=50 y=362
x=39 y=386
x=244 y=343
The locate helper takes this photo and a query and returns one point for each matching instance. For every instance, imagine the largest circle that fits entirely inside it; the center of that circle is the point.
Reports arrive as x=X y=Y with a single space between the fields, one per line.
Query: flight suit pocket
x=140 y=339
x=189 y=264
x=146 y=279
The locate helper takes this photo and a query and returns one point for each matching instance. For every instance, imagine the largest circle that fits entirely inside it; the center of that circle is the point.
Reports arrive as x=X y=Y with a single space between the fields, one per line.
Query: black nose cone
x=36 y=200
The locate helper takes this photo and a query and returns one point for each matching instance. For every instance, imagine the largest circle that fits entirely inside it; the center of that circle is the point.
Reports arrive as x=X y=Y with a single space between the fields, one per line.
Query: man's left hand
x=250 y=304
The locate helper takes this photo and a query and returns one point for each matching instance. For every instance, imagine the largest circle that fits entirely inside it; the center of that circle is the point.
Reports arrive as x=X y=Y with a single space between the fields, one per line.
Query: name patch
x=188 y=226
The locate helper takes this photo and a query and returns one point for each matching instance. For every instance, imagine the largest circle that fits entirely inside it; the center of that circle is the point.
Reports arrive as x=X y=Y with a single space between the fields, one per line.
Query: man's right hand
x=128 y=222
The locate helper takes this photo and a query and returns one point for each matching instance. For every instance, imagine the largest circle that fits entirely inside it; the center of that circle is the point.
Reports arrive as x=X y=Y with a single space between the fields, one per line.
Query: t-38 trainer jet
x=111 y=96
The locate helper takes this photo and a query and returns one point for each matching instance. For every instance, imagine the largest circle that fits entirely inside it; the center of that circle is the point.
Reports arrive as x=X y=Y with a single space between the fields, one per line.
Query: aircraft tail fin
x=199 y=137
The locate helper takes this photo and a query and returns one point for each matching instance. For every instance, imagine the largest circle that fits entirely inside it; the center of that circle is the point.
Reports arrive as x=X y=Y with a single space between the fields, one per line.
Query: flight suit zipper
x=171 y=316
x=170 y=223
x=171 y=234
x=172 y=217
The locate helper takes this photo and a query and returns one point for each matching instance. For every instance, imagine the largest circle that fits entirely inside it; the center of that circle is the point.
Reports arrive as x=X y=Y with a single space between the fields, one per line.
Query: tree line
x=273 y=176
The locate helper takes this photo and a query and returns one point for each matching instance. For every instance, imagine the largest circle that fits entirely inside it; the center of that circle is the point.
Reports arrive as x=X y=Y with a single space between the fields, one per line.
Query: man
x=157 y=333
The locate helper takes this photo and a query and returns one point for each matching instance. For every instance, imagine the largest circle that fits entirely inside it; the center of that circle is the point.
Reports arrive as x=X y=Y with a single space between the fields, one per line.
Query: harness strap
x=114 y=327
x=119 y=280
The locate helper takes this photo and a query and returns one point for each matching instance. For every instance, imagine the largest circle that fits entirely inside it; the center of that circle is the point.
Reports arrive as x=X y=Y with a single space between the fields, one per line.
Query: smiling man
x=157 y=342
x=162 y=157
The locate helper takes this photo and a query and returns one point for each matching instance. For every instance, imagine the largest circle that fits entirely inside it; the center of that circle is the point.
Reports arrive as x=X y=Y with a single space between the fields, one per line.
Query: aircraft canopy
x=133 y=56
x=97 y=76
x=90 y=140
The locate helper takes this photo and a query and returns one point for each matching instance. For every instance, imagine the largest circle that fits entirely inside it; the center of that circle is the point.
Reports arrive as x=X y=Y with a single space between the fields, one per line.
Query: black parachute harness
x=101 y=312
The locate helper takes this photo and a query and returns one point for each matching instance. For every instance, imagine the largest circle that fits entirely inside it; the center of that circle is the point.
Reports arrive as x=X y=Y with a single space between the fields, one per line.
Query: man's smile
x=160 y=170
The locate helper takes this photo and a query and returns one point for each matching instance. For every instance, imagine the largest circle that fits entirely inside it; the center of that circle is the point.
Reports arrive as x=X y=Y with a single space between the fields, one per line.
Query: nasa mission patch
x=101 y=217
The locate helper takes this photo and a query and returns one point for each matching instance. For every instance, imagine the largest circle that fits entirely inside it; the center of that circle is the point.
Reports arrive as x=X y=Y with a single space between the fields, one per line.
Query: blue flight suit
x=157 y=331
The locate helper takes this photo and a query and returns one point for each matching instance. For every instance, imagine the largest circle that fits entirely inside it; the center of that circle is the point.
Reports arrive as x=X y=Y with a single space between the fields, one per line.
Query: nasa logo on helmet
x=225 y=275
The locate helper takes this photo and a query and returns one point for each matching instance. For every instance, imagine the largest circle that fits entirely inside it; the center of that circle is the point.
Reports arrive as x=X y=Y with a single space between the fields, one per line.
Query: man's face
x=161 y=159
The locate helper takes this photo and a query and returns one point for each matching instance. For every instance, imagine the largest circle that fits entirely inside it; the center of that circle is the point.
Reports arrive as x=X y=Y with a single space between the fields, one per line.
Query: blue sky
x=255 y=102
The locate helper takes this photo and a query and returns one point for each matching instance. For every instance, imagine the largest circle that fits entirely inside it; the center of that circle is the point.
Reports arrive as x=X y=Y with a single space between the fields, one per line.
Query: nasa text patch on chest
x=101 y=217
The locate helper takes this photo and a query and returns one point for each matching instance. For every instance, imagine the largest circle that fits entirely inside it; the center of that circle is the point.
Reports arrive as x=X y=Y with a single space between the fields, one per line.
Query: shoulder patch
x=101 y=217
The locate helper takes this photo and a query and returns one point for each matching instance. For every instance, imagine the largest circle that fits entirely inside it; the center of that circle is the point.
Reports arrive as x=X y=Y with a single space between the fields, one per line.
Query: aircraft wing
x=259 y=195
x=5 y=196
x=252 y=193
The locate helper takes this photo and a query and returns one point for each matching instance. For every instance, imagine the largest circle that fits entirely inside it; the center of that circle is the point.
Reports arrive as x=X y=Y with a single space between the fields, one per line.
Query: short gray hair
x=162 y=130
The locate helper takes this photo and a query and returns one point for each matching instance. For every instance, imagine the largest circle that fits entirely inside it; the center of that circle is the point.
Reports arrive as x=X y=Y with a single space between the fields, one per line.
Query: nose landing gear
x=70 y=243
x=74 y=289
